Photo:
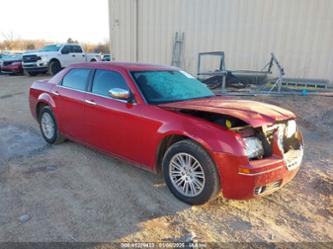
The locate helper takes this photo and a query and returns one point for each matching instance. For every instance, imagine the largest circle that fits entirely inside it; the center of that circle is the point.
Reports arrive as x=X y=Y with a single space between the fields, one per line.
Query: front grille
x=291 y=148
x=7 y=63
x=30 y=58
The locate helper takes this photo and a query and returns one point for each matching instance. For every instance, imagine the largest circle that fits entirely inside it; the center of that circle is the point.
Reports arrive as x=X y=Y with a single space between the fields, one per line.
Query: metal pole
x=137 y=32
x=223 y=81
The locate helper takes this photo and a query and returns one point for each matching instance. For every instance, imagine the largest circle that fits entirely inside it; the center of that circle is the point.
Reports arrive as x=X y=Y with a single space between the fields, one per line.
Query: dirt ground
x=71 y=193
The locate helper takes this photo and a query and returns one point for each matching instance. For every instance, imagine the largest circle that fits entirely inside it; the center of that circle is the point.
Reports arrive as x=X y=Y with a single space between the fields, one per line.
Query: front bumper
x=243 y=179
x=35 y=67
x=11 y=69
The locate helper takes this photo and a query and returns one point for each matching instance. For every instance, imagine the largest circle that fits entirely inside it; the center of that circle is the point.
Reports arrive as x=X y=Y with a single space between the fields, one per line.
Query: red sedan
x=164 y=120
x=12 y=65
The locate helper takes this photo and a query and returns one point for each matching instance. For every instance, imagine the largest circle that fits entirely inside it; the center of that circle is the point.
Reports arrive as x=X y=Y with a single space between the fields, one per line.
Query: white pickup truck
x=52 y=58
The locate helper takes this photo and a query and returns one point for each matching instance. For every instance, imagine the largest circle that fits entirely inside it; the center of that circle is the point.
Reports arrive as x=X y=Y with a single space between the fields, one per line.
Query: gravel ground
x=71 y=193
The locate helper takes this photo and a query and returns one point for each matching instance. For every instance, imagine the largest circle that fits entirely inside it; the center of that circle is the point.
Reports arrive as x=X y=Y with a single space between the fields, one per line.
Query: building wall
x=299 y=32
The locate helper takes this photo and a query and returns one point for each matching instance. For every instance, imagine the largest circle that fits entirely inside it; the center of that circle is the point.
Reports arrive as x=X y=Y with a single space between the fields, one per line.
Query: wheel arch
x=56 y=60
x=44 y=100
x=172 y=138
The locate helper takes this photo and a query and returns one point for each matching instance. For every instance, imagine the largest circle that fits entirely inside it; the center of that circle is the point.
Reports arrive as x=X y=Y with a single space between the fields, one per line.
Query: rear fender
x=46 y=99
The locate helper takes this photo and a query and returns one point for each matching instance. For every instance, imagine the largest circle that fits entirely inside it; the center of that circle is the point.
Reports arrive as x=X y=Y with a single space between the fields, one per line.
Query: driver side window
x=66 y=49
x=105 y=80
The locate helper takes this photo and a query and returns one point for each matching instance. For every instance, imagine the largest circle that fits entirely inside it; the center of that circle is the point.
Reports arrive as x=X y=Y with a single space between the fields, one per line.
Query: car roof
x=130 y=66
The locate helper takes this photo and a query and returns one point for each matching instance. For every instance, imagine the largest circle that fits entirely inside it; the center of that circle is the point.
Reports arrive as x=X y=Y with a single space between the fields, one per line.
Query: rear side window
x=106 y=80
x=77 y=78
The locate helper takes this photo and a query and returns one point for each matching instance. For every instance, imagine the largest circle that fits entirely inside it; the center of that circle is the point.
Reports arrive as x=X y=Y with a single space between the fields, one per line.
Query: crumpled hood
x=254 y=113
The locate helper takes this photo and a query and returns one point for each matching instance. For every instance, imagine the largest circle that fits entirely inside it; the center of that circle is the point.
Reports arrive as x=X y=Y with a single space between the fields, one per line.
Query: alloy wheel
x=187 y=174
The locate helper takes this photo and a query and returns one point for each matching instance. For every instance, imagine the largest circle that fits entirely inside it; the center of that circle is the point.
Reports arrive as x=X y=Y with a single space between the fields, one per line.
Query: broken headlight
x=253 y=147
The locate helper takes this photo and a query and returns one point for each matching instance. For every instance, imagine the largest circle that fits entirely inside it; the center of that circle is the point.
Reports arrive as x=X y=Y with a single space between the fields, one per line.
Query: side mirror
x=65 y=51
x=118 y=93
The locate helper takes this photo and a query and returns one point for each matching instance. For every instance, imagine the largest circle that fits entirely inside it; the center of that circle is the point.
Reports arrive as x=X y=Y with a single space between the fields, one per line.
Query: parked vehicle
x=166 y=121
x=2 y=57
x=12 y=64
x=107 y=57
x=52 y=58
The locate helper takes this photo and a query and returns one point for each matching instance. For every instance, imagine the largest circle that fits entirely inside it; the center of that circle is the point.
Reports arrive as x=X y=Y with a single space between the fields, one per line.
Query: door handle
x=73 y=55
x=56 y=93
x=90 y=102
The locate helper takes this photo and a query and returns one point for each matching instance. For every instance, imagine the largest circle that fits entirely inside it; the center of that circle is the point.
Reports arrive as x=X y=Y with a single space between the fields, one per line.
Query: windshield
x=12 y=57
x=51 y=48
x=169 y=86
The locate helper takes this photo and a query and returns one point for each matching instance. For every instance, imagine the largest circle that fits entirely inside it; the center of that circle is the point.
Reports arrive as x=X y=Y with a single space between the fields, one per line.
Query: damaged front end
x=282 y=139
x=279 y=140
x=269 y=146
x=274 y=153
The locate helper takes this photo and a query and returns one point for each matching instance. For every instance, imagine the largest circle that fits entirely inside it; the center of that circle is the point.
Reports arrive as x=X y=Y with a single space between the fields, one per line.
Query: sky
x=55 y=20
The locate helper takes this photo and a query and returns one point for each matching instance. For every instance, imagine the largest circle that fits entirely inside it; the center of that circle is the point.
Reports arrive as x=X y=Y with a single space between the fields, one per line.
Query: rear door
x=69 y=98
x=66 y=56
x=77 y=54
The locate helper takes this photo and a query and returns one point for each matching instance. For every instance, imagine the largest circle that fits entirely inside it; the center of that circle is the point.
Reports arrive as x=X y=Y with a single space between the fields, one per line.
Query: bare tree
x=70 y=40
x=8 y=40
x=30 y=46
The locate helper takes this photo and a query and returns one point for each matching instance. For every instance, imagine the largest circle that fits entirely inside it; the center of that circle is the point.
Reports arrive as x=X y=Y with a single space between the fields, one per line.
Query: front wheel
x=49 y=127
x=190 y=173
x=54 y=67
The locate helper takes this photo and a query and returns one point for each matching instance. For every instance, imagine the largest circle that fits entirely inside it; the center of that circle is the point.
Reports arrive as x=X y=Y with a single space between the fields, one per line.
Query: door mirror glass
x=118 y=93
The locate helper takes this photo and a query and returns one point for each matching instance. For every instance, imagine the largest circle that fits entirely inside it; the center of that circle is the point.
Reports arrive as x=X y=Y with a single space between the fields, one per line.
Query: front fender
x=210 y=136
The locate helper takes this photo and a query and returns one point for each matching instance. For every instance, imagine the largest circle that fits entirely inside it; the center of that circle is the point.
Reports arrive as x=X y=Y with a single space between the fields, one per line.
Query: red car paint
x=138 y=130
x=254 y=113
x=12 y=67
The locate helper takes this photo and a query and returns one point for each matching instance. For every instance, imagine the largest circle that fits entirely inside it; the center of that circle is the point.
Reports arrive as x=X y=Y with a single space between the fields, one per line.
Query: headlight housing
x=291 y=128
x=253 y=147
x=42 y=58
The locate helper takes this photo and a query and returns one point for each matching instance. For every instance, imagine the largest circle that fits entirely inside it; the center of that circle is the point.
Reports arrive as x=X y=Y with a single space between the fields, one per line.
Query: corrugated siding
x=299 y=32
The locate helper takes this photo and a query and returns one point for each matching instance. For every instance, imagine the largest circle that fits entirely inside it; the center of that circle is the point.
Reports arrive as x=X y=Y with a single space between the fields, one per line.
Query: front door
x=116 y=126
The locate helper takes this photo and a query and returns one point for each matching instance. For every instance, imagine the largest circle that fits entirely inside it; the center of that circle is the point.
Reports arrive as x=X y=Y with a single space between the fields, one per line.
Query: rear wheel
x=49 y=127
x=54 y=67
x=190 y=173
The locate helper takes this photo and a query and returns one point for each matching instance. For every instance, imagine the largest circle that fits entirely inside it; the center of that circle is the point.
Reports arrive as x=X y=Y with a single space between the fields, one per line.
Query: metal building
x=299 y=32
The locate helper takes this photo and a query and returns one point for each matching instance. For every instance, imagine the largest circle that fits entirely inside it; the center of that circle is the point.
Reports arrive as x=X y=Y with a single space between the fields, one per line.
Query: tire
x=54 y=67
x=93 y=60
x=53 y=136
x=206 y=173
x=32 y=73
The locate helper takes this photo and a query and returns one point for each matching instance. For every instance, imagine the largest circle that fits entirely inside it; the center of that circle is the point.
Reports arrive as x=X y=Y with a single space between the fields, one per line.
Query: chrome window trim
x=98 y=95
x=108 y=97
x=70 y=88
